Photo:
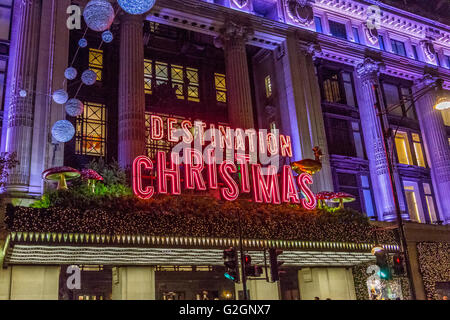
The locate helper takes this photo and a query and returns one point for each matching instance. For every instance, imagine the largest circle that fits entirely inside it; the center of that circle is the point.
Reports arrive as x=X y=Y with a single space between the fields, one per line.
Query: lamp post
x=443 y=103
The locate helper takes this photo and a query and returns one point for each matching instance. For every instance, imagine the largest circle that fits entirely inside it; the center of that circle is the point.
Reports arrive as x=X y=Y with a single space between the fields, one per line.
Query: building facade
x=312 y=69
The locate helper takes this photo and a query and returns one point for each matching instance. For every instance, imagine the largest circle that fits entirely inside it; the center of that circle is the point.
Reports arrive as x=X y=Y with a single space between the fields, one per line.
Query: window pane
x=358 y=144
x=416 y=56
x=368 y=202
x=446 y=116
x=365 y=181
x=419 y=154
x=398 y=47
x=5 y=22
x=338 y=29
x=403 y=153
x=221 y=87
x=381 y=42
x=431 y=209
x=349 y=96
x=356 y=34
x=392 y=98
x=412 y=205
x=91 y=130
x=318 y=23
x=268 y=84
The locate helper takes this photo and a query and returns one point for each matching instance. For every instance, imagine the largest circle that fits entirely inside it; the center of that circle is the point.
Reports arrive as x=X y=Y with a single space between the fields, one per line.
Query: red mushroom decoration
x=309 y=166
x=92 y=177
x=342 y=198
x=324 y=196
x=60 y=174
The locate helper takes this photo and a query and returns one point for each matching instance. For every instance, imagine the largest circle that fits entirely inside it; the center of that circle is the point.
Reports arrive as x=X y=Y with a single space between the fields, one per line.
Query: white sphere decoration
x=74 y=107
x=82 y=43
x=23 y=93
x=70 y=73
x=136 y=6
x=60 y=96
x=63 y=131
x=107 y=36
x=99 y=15
x=89 y=77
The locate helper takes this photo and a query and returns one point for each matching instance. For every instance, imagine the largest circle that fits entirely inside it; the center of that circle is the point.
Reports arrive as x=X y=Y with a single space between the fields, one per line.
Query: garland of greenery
x=112 y=210
x=434 y=261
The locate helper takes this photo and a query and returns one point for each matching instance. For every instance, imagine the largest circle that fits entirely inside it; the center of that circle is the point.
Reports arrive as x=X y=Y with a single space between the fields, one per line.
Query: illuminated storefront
x=244 y=91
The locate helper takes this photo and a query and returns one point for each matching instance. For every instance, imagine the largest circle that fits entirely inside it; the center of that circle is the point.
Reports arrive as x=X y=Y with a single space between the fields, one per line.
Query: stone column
x=436 y=145
x=300 y=106
x=22 y=76
x=131 y=90
x=240 y=107
x=368 y=73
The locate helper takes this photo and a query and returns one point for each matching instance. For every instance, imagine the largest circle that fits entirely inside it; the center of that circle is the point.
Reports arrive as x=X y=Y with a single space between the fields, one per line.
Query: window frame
x=410 y=145
x=81 y=135
x=325 y=70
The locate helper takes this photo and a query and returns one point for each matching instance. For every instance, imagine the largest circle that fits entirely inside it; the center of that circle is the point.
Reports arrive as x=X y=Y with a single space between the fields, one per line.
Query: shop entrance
x=193 y=283
x=96 y=283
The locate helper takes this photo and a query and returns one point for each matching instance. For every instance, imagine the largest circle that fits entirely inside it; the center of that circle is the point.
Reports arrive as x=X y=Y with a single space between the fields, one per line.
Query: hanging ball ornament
x=60 y=96
x=63 y=131
x=74 y=107
x=23 y=93
x=99 y=15
x=82 y=43
x=89 y=77
x=107 y=36
x=70 y=73
x=136 y=6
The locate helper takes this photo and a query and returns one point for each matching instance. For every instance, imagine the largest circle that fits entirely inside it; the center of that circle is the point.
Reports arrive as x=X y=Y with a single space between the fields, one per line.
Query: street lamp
x=442 y=103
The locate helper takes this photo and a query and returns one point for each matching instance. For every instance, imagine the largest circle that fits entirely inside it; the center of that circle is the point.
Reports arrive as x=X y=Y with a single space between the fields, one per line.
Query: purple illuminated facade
x=305 y=67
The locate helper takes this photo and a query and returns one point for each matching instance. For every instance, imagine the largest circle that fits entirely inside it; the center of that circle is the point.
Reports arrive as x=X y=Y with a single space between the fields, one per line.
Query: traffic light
x=275 y=264
x=382 y=263
x=397 y=263
x=231 y=263
x=251 y=270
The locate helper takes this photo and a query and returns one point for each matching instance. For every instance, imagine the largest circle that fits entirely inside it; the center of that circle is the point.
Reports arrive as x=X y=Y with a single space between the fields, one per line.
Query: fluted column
x=131 y=90
x=368 y=73
x=436 y=145
x=240 y=110
x=22 y=76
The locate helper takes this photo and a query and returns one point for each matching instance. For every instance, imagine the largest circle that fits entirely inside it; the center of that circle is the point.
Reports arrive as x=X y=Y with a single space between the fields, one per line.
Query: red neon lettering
x=186 y=125
x=226 y=137
x=262 y=143
x=290 y=193
x=303 y=180
x=138 y=190
x=193 y=165
x=240 y=140
x=157 y=127
x=211 y=169
x=268 y=188
x=251 y=133
x=173 y=173
x=286 y=146
x=231 y=191
x=243 y=160
x=170 y=129
x=200 y=130
x=272 y=144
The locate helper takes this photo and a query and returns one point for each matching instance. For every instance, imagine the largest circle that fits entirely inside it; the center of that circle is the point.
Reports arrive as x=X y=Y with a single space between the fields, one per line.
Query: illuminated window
x=153 y=146
x=268 y=83
x=402 y=146
x=331 y=89
x=184 y=80
x=446 y=117
x=91 y=130
x=148 y=75
x=418 y=150
x=430 y=202
x=193 y=91
x=337 y=87
x=221 y=87
x=413 y=201
x=96 y=62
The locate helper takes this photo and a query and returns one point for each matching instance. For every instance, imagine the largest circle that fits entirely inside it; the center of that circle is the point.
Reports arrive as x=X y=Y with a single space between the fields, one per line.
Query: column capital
x=425 y=81
x=233 y=30
x=312 y=49
x=369 y=68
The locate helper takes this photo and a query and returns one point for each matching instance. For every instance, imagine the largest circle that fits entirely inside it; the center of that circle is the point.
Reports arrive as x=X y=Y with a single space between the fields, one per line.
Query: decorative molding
x=300 y=11
x=369 y=67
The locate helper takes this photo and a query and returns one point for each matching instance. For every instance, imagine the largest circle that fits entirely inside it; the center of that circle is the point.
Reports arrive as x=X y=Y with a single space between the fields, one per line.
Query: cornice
x=210 y=18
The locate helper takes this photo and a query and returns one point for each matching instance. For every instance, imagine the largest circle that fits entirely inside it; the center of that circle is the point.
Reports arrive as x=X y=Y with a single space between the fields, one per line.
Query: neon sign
x=200 y=168
x=265 y=188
